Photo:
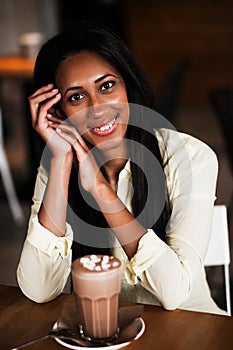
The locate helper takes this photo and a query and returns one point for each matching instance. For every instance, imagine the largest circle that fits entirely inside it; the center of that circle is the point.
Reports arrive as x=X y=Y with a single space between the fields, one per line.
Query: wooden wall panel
x=160 y=33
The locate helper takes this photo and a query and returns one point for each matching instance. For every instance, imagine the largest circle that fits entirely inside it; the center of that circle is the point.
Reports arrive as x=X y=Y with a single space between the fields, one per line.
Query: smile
x=105 y=129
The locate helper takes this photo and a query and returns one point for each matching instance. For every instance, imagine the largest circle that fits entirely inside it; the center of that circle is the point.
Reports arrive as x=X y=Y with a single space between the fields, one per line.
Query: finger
x=45 y=106
x=69 y=137
x=42 y=90
x=40 y=112
x=80 y=140
x=39 y=99
x=57 y=113
x=42 y=94
x=53 y=118
x=53 y=122
x=72 y=130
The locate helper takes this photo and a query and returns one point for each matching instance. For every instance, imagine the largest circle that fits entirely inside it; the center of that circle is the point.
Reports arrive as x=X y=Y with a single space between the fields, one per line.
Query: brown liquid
x=97 y=297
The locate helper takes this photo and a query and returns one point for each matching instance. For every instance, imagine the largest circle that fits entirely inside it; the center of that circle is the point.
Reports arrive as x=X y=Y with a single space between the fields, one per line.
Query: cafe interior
x=185 y=48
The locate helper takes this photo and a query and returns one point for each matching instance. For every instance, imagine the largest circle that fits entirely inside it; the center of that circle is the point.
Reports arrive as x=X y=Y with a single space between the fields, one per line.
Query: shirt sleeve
x=45 y=260
x=168 y=270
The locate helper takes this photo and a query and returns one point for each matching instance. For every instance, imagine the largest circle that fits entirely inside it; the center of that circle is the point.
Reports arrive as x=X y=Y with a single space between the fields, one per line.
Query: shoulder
x=177 y=146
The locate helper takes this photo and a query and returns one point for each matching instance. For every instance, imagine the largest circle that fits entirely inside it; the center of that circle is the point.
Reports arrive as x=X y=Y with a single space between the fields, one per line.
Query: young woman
x=114 y=178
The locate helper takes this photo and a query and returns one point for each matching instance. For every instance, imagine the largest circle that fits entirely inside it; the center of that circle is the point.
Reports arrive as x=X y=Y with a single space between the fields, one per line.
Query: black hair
x=96 y=38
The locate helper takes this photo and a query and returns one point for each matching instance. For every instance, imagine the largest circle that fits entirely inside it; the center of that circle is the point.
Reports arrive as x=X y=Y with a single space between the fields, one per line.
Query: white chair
x=218 y=252
x=8 y=182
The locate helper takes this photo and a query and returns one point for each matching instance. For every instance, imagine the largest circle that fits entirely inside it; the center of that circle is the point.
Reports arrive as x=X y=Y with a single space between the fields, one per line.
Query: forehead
x=84 y=66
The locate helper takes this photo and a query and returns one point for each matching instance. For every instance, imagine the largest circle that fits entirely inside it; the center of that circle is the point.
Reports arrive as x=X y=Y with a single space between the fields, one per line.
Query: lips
x=106 y=128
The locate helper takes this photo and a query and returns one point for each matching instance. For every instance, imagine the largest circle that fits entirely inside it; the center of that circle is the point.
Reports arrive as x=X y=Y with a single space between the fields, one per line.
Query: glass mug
x=96 y=281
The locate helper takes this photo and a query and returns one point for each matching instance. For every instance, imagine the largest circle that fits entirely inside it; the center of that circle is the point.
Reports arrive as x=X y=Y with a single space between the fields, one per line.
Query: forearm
x=52 y=213
x=126 y=228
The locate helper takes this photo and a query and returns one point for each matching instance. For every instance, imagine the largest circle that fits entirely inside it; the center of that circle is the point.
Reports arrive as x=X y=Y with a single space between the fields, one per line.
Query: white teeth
x=105 y=127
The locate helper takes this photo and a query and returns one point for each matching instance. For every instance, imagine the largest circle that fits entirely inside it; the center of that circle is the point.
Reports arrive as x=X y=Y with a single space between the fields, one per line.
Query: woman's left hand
x=127 y=229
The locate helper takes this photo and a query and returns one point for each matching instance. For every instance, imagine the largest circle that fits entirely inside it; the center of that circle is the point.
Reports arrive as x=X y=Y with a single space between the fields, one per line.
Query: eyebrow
x=98 y=80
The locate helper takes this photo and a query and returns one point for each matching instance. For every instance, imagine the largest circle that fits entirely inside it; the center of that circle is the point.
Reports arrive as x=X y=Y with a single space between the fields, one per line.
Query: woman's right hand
x=41 y=103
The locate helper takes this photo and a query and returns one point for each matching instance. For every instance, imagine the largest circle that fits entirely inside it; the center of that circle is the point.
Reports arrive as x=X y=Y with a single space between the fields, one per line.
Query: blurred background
x=185 y=47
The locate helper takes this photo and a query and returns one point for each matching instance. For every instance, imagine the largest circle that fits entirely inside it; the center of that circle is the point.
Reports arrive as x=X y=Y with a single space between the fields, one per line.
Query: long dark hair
x=96 y=38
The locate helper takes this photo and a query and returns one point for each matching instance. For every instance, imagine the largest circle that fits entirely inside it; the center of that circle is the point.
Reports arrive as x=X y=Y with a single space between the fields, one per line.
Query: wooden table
x=22 y=320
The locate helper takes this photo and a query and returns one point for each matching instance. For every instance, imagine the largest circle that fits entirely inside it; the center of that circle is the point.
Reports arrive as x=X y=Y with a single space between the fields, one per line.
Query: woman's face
x=94 y=98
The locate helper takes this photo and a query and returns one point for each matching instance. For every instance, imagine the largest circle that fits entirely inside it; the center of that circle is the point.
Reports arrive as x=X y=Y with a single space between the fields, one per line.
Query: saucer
x=140 y=325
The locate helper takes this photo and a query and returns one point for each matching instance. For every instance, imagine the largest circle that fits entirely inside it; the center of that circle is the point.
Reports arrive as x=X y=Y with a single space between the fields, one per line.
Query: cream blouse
x=169 y=274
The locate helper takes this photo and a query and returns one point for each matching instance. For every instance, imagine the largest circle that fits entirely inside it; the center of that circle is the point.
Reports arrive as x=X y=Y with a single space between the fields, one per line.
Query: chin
x=110 y=145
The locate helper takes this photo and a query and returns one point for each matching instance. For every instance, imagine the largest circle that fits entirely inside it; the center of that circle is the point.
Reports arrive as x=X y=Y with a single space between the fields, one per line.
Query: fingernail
x=58 y=130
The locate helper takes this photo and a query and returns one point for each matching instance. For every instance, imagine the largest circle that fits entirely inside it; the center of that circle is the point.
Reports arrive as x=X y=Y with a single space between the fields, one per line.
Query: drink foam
x=99 y=262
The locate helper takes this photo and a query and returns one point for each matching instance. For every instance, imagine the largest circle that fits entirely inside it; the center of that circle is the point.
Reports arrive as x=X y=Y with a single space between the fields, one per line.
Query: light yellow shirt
x=170 y=274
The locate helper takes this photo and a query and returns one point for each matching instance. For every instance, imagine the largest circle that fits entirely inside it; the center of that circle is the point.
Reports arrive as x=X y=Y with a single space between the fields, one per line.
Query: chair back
x=218 y=253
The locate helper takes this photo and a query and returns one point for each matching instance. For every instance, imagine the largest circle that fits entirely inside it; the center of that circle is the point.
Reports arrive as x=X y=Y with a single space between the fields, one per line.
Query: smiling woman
x=117 y=178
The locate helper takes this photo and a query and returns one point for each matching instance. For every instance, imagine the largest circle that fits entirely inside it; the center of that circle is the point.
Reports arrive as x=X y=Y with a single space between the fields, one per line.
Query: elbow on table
x=39 y=296
x=169 y=305
x=37 y=293
x=171 y=302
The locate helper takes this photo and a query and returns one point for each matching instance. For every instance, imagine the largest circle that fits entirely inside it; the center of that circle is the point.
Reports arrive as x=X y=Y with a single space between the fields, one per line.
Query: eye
x=76 y=97
x=107 y=85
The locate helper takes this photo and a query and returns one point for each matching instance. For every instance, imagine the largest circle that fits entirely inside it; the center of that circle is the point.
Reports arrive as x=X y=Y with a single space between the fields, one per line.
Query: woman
x=99 y=187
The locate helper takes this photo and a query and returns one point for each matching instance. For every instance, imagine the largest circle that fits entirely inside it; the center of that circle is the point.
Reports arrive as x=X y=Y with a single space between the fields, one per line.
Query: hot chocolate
x=96 y=280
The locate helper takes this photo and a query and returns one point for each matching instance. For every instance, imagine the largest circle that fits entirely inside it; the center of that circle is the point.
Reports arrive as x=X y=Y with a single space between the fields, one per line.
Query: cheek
x=119 y=95
x=78 y=121
x=78 y=124
x=122 y=96
x=69 y=109
x=76 y=115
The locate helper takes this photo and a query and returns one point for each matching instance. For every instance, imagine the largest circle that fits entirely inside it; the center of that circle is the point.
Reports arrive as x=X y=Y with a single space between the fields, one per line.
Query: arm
x=52 y=212
x=169 y=270
x=55 y=197
x=126 y=228
x=45 y=260
x=44 y=264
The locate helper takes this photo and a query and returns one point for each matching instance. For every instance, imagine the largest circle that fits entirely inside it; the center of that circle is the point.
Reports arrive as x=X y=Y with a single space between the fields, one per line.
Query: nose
x=97 y=108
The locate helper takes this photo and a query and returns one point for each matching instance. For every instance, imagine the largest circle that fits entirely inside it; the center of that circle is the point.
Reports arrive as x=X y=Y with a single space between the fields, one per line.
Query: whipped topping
x=99 y=262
